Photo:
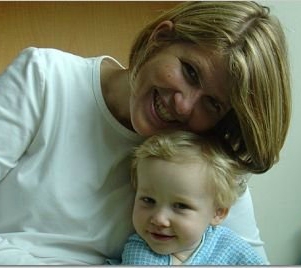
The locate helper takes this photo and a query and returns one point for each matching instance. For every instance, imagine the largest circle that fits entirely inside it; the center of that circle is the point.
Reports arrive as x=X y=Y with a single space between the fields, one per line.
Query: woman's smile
x=161 y=108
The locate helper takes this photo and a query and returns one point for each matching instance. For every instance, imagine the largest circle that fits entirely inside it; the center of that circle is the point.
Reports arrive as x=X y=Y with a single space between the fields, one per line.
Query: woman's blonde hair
x=253 y=45
x=225 y=180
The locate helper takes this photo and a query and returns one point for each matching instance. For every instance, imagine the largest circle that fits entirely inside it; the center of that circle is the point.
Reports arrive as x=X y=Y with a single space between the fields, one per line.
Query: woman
x=68 y=125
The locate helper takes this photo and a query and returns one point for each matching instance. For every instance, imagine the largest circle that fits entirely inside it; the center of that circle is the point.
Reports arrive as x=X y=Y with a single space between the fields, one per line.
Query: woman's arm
x=21 y=102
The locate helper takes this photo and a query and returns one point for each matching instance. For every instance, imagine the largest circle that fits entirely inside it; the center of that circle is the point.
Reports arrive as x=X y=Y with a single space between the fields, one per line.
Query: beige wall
x=94 y=28
x=86 y=28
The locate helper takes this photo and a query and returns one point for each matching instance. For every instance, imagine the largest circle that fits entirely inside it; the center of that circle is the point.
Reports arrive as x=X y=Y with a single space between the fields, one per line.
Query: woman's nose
x=160 y=218
x=185 y=102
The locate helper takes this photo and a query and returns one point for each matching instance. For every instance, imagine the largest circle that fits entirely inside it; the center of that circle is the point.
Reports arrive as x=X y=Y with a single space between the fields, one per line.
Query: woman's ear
x=220 y=215
x=163 y=30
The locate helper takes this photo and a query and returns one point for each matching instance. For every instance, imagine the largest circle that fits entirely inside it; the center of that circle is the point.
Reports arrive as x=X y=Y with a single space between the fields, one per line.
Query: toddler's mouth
x=161 y=237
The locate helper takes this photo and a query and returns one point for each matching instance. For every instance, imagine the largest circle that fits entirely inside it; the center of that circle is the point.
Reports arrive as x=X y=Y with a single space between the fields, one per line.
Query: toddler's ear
x=220 y=215
x=162 y=31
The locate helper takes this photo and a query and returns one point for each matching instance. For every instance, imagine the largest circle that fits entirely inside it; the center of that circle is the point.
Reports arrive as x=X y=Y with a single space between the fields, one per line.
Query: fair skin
x=173 y=206
x=180 y=87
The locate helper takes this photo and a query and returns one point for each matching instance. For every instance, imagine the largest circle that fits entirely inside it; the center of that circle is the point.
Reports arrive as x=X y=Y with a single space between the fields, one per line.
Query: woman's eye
x=190 y=73
x=213 y=105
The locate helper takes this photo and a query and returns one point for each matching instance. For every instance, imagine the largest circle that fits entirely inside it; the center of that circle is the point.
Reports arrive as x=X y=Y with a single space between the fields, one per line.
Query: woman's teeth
x=162 y=112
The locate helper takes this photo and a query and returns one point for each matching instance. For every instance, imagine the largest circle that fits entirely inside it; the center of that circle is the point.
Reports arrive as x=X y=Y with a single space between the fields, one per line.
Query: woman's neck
x=116 y=91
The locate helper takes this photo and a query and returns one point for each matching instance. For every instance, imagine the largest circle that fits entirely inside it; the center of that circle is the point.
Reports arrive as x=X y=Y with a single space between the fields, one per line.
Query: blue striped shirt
x=220 y=246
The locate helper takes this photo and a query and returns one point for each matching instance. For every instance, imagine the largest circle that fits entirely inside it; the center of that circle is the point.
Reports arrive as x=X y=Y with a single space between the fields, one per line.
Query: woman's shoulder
x=51 y=56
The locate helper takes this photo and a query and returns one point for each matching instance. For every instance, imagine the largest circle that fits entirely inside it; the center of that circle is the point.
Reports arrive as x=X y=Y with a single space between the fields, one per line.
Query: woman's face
x=181 y=87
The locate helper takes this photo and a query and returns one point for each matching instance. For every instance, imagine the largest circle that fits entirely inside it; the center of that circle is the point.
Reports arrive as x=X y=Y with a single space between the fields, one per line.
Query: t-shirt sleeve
x=21 y=102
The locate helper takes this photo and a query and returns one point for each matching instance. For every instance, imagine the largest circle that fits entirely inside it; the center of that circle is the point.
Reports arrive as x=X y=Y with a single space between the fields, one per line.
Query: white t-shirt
x=65 y=193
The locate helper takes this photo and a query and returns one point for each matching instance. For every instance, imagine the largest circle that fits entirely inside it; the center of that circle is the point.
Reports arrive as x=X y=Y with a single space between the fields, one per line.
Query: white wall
x=277 y=194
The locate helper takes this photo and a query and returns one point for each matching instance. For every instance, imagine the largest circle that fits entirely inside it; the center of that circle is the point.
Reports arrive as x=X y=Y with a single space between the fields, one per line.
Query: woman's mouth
x=161 y=110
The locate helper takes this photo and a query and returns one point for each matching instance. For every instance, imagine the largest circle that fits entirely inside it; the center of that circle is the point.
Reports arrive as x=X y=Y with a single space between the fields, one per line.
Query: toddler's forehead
x=188 y=156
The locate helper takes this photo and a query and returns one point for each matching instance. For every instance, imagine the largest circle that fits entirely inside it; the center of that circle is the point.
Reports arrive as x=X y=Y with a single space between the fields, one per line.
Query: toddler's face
x=173 y=205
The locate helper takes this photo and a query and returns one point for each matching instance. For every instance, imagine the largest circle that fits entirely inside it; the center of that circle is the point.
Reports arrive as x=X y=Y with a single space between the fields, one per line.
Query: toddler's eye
x=180 y=206
x=147 y=200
